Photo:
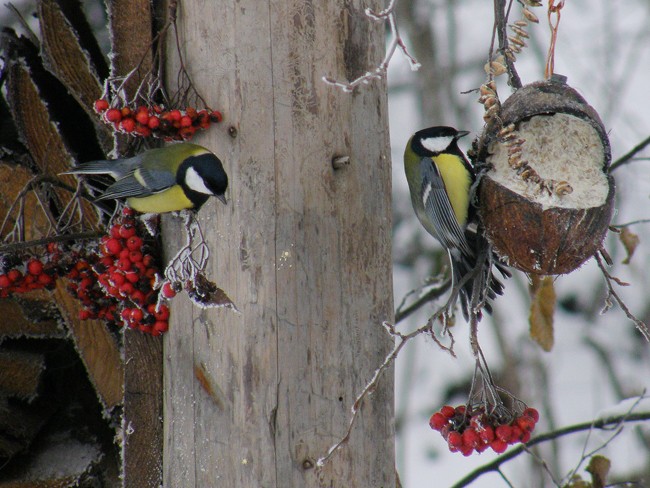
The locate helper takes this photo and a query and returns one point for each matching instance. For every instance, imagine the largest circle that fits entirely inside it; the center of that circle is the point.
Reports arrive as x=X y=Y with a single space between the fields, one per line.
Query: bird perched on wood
x=440 y=180
x=175 y=177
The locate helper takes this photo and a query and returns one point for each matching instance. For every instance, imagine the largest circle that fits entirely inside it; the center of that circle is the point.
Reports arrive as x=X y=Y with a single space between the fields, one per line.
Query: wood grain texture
x=130 y=31
x=142 y=410
x=303 y=251
x=97 y=348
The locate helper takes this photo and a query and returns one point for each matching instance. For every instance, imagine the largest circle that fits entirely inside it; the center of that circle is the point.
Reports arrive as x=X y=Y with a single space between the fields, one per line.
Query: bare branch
x=436 y=292
x=370 y=387
x=627 y=157
x=388 y=14
x=640 y=325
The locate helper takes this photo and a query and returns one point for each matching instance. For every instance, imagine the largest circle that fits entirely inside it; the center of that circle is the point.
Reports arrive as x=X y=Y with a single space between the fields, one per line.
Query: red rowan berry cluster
x=117 y=281
x=20 y=275
x=145 y=121
x=127 y=272
x=472 y=430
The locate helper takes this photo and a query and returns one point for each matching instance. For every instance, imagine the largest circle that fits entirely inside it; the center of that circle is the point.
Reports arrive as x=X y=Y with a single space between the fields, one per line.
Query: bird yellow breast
x=457 y=183
x=170 y=200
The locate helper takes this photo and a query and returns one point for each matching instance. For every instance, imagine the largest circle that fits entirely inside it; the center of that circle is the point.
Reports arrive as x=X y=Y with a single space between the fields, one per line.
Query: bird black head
x=436 y=140
x=201 y=177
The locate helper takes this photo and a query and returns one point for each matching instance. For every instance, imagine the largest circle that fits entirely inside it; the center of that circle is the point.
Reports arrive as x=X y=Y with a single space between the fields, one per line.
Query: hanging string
x=554 y=10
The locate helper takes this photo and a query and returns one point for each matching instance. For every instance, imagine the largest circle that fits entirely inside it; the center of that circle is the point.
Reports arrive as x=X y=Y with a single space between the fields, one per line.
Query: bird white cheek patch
x=195 y=182
x=436 y=144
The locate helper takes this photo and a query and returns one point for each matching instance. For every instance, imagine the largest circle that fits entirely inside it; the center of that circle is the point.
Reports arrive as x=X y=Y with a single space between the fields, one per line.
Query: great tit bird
x=176 y=177
x=440 y=181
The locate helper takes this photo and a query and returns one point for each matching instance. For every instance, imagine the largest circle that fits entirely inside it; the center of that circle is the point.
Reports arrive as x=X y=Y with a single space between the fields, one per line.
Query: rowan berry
x=127 y=124
x=113 y=115
x=532 y=413
x=498 y=446
x=448 y=411
x=504 y=433
x=455 y=440
x=101 y=105
x=169 y=292
x=34 y=267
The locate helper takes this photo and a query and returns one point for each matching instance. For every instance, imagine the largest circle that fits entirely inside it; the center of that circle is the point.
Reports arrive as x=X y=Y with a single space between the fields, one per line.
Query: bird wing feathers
x=438 y=208
x=139 y=183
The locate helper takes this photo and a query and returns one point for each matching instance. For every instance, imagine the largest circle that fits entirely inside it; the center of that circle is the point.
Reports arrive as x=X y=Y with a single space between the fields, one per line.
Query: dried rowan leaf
x=206 y=294
x=542 y=308
x=64 y=56
x=630 y=241
x=32 y=216
x=576 y=481
x=130 y=30
x=599 y=469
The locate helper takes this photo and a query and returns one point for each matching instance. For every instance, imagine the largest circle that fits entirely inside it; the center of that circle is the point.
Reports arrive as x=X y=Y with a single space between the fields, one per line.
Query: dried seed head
x=510 y=55
x=487 y=90
x=490 y=102
x=496 y=67
x=563 y=188
x=516 y=162
x=519 y=31
x=531 y=17
x=521 y=23
x=517 y=41
x=533 y=3
x=491 y=112
x=506 y=130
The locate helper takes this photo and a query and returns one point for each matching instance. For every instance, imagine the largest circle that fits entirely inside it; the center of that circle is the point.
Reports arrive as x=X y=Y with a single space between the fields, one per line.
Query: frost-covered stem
x=601 y=424
x=402 y=339
x=388 y=14
x=436 y=292
x=19 y=246
x=640 y=325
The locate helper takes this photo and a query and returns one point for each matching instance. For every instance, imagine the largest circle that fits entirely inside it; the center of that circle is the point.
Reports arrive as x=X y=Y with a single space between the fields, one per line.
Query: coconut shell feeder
x=546 y=198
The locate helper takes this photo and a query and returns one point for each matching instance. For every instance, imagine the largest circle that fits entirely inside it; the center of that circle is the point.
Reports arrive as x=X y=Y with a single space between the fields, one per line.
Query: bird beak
x=462 y=133
x=222 y=198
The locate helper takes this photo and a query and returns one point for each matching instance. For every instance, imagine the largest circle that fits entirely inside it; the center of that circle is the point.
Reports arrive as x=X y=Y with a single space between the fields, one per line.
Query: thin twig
x=501 y=23
x=388 y=14
x=371 y=386
x=627 y=157
x=640 y=325
x=19 y=246
x=432 y=294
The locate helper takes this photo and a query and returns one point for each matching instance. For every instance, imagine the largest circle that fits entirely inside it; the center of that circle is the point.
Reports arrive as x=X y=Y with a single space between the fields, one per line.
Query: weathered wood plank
x=303 y=250
x=130 y=31
x=97 y=348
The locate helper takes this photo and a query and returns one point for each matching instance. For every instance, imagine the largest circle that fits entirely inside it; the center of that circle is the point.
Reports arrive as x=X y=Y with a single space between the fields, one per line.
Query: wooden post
x=304 y=250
